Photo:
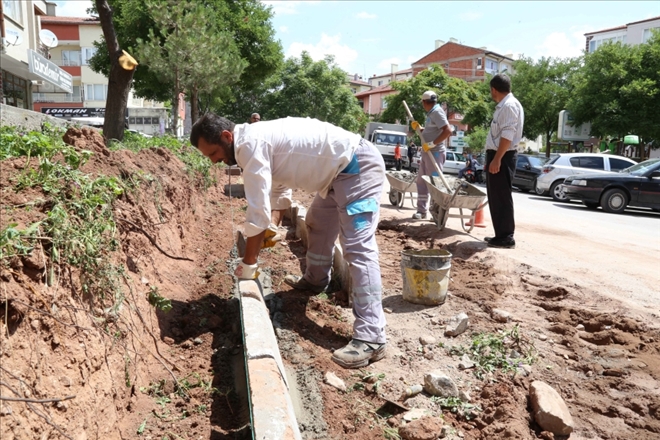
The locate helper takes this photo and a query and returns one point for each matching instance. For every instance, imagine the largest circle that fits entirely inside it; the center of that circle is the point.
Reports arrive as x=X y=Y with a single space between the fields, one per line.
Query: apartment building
x=464 y=62
x=24 y=56
x=637 y=32
x=76 y=37
x=394 y=75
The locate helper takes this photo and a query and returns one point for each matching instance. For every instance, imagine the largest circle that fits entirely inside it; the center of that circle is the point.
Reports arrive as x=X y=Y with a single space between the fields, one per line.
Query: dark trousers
x=500 y=200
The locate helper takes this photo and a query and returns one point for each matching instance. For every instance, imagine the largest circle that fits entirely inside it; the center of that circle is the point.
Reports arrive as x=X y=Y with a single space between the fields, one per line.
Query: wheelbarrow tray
x=399 y=187
x=471 y=198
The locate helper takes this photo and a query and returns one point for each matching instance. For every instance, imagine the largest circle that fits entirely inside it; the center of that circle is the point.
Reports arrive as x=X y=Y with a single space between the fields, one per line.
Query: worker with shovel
x=347 y=174
x=436 y=130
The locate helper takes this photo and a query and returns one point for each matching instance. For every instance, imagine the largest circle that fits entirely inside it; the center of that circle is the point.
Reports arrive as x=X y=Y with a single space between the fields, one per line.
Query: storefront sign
x=78 y=112
x=49 y=71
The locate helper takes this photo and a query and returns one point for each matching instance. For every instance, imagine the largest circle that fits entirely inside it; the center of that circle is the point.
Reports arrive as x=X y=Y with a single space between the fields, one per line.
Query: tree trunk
x=194 y=105
x=119 y=81
x=548 y=147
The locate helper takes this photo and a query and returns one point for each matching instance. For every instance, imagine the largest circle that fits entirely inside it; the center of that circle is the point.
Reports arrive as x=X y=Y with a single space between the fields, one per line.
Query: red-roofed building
x=464 y=62
x=637 y=32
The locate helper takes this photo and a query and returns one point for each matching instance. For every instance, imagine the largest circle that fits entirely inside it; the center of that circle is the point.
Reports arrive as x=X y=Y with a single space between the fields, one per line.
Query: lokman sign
x=49 y=71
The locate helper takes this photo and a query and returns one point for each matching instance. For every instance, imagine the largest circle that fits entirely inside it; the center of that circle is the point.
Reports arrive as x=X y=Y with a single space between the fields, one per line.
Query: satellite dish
x=13 y=37
x=48 y=38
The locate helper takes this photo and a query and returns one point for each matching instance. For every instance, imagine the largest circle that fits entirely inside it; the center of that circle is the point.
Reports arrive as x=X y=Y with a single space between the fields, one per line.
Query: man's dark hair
x=210 y=127
x=501 y=82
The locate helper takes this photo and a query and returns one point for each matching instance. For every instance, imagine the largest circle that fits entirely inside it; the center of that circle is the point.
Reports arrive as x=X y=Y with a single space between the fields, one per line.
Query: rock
x=65 y=381
x=549 y=409
x=429 y=355
x=332 y=380
x=387 y=310
x=186 y=344
x=457 y=325
x=465 y=363
x=427 y=340
x=543 y=337
x=198 y=341
x=500 y=315
x=525 y=370
x=144 y=280
x=416 y=413
x=168 y=340
x=35 y=324
x=426 y=428
x=465 y=396
x=439 y=384
x=5 y=410
x=579 y=327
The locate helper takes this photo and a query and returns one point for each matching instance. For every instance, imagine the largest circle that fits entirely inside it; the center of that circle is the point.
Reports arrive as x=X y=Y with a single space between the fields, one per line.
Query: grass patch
x=457 y=406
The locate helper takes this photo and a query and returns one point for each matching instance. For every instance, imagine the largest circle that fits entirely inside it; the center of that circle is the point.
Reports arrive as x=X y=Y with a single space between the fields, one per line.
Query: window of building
x=595 y=44
x=73 y=97
x=380 y=83
x=138 y=120
x=479 y=63
x=131 y=120
x=70 y=58
x=648 y=33
x=96 y=92
x=492 y=66
x=384 y=104
x=12 y=9
x=87 y=53
x=14 y=90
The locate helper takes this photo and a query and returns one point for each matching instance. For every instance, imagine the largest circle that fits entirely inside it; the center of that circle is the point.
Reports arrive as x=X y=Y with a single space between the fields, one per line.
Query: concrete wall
x=27 y=118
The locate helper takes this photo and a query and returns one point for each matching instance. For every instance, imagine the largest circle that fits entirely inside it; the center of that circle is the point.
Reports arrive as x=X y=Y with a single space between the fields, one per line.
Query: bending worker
x=347 y=174
x=434 y=133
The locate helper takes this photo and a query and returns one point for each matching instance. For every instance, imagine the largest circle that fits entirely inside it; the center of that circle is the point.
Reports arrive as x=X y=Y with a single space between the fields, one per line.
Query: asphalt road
x=617 y=255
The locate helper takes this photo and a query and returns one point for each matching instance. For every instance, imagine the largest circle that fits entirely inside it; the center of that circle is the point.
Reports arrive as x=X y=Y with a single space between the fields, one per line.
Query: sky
x=367 y=37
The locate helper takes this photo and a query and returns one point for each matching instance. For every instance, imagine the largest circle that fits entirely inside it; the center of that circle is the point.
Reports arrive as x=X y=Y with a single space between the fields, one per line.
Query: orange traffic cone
x=478 y=219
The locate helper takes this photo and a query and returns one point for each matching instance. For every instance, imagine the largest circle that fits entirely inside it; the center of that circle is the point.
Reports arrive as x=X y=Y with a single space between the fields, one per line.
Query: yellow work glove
x=415 y=125
x=427 y=147
x=246 y=271
x=272 y=237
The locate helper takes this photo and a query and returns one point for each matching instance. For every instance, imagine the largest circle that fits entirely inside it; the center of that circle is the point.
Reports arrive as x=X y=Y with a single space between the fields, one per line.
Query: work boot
x=503 y=243
x=488 y=239
x=419 y=215
x=358 y=354
x=300 y=283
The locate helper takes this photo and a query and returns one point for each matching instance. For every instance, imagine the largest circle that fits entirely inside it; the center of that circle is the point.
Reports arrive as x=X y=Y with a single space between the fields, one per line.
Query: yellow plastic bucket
x=425 y=276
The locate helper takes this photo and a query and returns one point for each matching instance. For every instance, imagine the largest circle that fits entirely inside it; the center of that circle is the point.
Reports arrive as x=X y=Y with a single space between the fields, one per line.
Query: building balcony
x=56 y=97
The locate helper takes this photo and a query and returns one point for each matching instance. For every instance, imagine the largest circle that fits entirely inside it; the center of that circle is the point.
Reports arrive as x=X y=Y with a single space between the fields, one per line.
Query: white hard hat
x=430 y=95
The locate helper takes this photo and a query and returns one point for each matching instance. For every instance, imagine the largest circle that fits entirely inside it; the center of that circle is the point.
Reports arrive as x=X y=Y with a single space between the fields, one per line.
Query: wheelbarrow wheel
x=395 y=197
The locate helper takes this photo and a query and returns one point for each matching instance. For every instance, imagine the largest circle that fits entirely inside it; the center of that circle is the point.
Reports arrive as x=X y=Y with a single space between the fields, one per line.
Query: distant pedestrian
x=434 y=134
x=411 y=153
x=255 y=118
x=397 y=156
x=501 y=152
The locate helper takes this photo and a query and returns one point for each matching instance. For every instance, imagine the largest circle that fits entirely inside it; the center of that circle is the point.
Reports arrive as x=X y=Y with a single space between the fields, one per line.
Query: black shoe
x=488 y=239
x=503 y=243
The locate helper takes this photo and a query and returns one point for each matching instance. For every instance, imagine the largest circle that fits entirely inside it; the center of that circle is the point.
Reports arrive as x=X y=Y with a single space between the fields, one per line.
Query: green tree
x=189 y=54
x=468 y=99
x=315 y=89
x=618 y=90
x=476 y=139
x=249 y=21
x=543 y=89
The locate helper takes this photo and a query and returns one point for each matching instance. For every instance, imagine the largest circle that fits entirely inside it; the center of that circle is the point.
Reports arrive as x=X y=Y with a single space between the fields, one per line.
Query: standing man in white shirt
x=347 y=174
x=436 y=130
x=501 y=154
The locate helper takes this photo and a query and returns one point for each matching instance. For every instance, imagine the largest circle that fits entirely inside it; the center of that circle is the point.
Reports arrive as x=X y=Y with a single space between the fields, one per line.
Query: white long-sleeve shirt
x=288 y=153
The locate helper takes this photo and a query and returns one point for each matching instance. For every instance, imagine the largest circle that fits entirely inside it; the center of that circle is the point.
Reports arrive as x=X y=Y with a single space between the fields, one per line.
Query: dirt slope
x=118 y=355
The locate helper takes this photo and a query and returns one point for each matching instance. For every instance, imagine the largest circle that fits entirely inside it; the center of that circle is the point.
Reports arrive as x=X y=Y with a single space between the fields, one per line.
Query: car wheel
x=614 y=200
x=557 y=192
x=539 y=191
x=395 y=197
x=591 y=205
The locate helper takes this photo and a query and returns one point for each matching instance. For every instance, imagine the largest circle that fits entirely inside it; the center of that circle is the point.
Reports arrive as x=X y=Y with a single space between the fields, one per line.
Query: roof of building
x=398 y=72
x=624 y=26
x=359 y=82
x=379 y=89
x=51 y=19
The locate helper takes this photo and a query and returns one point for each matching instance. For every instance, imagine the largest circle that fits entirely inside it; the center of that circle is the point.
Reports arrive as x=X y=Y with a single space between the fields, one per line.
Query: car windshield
x=642 y=168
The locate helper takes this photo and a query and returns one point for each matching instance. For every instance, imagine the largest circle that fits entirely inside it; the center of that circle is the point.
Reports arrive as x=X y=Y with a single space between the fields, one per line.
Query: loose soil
x=120 y=367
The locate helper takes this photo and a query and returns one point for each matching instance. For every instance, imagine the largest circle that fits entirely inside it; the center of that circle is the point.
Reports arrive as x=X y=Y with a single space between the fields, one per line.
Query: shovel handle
x=435 y=164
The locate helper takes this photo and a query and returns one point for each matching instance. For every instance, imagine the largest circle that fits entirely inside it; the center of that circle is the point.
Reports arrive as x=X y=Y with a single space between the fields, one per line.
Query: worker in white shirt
x=347 y=174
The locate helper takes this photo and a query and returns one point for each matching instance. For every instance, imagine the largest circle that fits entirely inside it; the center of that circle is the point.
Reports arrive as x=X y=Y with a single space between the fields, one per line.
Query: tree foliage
x=315 y=89
x=543 y=89
x=618 y=90
x=247 y=21
x=188 y=53
x=469 y=99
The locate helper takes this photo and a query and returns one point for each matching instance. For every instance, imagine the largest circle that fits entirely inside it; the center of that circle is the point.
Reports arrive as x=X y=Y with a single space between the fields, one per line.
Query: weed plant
x=502 y=351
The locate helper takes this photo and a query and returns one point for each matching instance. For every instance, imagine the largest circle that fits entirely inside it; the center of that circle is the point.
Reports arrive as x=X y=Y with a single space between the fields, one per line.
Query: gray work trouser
x=351 y=211
x=426 y=168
